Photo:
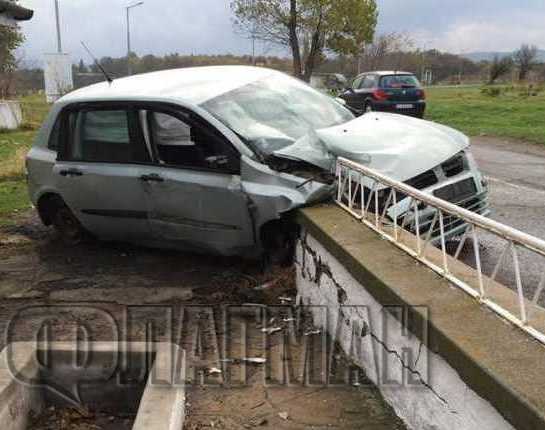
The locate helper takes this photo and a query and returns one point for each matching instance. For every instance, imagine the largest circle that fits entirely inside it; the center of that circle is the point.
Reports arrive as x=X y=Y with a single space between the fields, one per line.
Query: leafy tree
x=309 y=28
x=499 y=67
x=10 y=39
x=525 y=59
x=384 y=49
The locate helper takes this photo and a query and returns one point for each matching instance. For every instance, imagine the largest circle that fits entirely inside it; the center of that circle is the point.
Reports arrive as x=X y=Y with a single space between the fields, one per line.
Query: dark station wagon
x=397 y=92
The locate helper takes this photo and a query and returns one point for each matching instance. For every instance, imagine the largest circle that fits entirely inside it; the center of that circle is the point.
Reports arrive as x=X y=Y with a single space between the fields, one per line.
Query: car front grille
x=457 y=192
x=454 y=166
x=425 y=180
x=463 y=194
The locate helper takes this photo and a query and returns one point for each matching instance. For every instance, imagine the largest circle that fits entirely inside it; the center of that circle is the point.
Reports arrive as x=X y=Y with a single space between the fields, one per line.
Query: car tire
x=67 y=225
x=278 y=239
x=367 y=108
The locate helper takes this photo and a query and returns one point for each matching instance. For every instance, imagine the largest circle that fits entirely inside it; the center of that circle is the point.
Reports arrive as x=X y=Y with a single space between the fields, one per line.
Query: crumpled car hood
x=398 y=146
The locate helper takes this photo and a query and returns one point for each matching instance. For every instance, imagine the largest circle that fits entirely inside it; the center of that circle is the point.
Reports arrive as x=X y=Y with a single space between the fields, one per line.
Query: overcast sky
x=204 y=26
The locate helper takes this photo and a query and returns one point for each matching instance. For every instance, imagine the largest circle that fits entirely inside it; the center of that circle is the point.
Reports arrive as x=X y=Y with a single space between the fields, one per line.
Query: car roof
x=193 y=85
x=387 y=73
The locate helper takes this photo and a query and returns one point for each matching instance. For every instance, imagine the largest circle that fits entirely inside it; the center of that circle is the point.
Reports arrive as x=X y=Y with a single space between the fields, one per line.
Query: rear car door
x=195 y=198
x=99 y=167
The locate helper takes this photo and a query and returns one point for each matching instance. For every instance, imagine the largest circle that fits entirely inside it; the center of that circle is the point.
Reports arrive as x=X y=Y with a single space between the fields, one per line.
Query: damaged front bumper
x=457 y=181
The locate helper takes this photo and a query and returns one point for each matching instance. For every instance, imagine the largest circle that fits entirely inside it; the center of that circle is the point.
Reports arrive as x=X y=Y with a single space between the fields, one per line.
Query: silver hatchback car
x=216 y=159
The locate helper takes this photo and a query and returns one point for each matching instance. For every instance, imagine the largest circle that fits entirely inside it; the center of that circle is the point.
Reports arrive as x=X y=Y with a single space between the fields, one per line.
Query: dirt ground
x=100 y=285
x=70 y=419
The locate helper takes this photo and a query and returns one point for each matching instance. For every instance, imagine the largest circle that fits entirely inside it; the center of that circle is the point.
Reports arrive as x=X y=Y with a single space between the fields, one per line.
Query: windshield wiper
x=308 y=181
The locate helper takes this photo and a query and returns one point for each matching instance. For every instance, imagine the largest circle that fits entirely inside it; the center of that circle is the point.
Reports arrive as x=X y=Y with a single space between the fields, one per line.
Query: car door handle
x=70 y=172
x=154 y=177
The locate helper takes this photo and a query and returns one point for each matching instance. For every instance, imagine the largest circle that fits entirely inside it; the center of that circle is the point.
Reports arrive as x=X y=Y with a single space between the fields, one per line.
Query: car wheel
x=368 y=107
x=278 y=240
x=67 y=225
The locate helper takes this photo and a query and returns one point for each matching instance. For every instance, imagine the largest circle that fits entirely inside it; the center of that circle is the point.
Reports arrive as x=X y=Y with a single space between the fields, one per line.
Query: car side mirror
x=350 y=90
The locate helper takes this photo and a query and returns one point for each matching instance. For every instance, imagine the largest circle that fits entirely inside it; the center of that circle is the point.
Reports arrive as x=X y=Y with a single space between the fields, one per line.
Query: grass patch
x=510 y=112
x=13 y=200
x=35 y=110
x=14 y=146
x=13 y=189
x=13 y=149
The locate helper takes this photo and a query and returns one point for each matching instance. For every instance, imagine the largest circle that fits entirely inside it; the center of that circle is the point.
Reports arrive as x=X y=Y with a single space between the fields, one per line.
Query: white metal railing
x=358 y=193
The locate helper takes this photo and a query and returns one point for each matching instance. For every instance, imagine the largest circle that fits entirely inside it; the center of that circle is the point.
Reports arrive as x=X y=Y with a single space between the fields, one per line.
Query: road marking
x=520 y=187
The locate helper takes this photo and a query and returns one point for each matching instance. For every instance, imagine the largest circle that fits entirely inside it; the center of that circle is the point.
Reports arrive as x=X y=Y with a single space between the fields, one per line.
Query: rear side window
x=104 y=136
x=105 y=127
x=54 y=137
x=399 y=81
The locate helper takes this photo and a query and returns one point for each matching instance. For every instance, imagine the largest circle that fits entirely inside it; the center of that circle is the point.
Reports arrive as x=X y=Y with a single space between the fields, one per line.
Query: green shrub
x=491 y=91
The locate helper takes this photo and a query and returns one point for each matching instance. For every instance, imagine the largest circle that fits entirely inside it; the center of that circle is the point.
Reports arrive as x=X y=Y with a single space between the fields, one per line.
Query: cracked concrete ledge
x=440 y=359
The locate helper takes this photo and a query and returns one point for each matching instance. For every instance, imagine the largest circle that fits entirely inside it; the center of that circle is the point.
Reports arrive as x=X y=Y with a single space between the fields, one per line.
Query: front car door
x=360 y=92
x=98 y=169
x=195 y=198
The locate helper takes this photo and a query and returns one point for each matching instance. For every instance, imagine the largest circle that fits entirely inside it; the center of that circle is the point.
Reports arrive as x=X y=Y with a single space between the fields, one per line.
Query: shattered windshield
x=274 y=112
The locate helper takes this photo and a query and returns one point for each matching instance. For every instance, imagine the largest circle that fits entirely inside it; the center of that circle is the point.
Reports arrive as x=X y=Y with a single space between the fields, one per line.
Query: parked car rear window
x=399 y=81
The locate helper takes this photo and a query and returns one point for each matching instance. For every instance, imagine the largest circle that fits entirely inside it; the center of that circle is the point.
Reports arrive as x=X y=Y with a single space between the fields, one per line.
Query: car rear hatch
x=402 y=88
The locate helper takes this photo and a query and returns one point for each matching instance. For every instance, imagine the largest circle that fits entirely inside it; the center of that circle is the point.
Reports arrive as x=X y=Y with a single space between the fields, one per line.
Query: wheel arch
x=46 y=205
x=278 y=236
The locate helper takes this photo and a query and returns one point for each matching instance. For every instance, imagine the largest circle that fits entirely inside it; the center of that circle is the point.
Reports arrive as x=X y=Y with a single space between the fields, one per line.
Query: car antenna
x=108 y=77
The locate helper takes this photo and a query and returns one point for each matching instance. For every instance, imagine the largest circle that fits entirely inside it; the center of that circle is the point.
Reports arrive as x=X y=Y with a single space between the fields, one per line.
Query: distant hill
x=488 y=56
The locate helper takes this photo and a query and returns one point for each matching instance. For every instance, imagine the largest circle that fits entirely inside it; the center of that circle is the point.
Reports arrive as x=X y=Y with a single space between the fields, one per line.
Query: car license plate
x=405 y=106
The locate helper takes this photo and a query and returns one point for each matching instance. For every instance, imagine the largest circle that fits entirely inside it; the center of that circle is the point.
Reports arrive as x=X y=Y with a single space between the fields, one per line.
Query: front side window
x=104 y=136
x=369 y=82
x=356 y=85
x=181 y=142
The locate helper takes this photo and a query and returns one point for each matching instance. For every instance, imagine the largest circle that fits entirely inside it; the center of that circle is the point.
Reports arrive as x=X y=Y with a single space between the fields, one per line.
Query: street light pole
x=128 y=9
x=58 y=21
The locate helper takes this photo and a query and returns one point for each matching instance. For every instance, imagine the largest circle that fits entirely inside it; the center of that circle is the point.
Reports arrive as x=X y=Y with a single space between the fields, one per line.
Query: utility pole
x=58 y=20
x=128 y=10
x=252 y=5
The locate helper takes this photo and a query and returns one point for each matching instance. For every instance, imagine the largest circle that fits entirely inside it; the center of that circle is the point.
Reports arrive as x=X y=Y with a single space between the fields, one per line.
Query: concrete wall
x=22 y=389
x=439 y=358
x=11 y=116
x=436 y=398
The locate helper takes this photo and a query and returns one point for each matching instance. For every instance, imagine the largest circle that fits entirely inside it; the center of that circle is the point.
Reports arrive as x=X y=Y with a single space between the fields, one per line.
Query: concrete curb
x=162 y=406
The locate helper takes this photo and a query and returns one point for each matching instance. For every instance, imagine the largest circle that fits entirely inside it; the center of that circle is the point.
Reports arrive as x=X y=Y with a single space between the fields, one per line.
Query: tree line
x=327 y=36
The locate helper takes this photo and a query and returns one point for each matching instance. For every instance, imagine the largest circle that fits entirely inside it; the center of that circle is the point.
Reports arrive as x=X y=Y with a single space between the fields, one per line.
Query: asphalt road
x=516 y=172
